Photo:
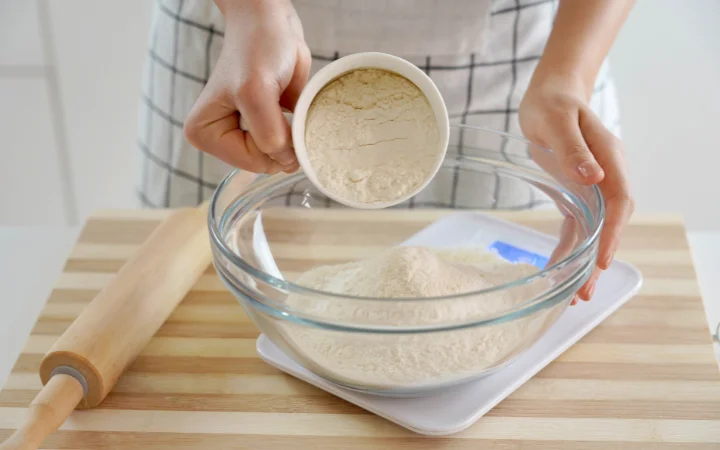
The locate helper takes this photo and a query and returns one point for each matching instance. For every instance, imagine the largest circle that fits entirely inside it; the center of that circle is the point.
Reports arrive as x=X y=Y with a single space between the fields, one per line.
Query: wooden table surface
x=644 y=379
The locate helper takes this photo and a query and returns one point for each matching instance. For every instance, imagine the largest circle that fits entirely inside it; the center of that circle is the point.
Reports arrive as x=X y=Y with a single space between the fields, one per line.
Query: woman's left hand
x=555 y=114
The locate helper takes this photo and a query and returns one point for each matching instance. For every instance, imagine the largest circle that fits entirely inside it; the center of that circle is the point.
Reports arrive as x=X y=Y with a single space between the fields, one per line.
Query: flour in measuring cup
x=371 y=136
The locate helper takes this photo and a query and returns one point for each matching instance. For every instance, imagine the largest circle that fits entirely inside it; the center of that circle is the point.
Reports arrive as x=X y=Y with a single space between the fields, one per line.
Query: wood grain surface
x=644 y=379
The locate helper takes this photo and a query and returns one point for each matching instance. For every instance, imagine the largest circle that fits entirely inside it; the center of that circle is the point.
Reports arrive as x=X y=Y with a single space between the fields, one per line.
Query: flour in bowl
x=401 y=276
x=371 y=136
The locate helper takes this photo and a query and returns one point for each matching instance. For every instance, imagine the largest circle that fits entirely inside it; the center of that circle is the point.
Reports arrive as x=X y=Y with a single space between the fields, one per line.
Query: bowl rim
x=295 y=288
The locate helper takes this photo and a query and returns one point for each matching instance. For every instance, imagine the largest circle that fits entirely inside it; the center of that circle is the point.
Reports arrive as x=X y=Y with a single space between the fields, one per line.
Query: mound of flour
x=401 y=276
x=371 y=136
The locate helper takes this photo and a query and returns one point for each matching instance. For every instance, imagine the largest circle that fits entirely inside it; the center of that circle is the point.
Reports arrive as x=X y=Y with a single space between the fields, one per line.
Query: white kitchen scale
x=452 y=410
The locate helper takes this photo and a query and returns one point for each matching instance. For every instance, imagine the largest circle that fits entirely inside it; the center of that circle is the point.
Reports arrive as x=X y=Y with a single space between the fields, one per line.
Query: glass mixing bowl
x=265 y=231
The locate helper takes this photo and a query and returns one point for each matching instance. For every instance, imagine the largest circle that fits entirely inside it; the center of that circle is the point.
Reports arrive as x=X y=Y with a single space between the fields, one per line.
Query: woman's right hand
x=263 y=67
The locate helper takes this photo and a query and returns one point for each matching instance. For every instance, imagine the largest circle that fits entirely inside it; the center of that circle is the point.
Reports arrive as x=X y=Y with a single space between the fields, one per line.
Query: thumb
x=259 y=104
x=565 y=139
x=298 y=81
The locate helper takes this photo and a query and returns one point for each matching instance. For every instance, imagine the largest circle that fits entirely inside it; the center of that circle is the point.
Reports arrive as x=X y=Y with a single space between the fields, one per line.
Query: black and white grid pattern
x=483 y=88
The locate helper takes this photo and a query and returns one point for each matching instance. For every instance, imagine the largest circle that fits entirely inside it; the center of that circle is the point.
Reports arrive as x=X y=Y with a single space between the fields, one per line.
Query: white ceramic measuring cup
x=369 y=60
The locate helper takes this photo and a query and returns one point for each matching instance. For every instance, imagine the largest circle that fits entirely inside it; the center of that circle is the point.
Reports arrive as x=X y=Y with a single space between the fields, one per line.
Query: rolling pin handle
x=46 y=413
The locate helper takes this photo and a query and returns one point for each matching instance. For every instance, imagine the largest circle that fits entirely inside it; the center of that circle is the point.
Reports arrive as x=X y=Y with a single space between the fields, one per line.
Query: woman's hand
x=263 y=67
x=554 y=114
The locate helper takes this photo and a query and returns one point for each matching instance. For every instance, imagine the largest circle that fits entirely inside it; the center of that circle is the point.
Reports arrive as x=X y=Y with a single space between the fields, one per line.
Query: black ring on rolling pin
x=67 y=370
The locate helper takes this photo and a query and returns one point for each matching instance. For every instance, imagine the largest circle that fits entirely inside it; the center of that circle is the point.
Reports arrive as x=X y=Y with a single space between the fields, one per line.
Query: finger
x=291 y=168
x=588 y=289
x=221 y=138
x=615 y=188
x=567 y=142
x=567 y=240
x=259 y=104
x=292 y=92
x=618 y=209
x=273 y=166
x=547 y=160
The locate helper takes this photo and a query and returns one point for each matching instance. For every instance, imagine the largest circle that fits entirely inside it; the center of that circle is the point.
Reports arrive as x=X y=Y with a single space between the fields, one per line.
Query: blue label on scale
x=517 y=255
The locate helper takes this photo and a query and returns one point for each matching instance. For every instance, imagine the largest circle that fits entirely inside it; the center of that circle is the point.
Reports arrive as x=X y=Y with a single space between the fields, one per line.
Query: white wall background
x=666 y=62
x=70 y=75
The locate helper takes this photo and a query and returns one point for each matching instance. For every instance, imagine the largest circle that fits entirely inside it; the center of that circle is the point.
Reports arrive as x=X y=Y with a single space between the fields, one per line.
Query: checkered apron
x=480 y=54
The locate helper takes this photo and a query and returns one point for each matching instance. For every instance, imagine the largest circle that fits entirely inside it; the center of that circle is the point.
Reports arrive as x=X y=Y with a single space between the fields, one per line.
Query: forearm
x=229 y=8
x=582 y=35
x=227 y=5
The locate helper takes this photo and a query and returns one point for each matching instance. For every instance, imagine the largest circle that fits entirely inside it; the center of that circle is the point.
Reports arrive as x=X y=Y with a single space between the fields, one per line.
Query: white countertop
x=31 y=259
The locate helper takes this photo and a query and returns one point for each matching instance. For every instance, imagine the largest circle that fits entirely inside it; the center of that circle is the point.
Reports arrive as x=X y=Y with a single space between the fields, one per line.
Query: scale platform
x=454 y=409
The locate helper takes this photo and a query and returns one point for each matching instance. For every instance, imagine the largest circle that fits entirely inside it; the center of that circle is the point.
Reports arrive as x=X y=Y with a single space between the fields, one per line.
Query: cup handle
x=288 y=116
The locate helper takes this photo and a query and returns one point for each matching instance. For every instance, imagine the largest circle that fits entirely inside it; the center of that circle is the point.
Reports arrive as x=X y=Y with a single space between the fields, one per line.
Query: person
x=531 y=67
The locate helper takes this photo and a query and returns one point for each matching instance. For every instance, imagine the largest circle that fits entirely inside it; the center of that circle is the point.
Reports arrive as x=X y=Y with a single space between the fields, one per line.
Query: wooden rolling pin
x=87 y=360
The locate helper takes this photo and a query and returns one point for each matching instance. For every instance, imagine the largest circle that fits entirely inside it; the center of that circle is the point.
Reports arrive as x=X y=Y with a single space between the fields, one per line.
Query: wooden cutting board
x=644 y=379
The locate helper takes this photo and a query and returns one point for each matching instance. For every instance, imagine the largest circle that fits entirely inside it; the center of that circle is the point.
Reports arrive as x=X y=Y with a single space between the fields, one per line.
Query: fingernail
x=285 y=160
x=591 y=291
x=574 y=301
x=608 y=260
x=586 y=169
